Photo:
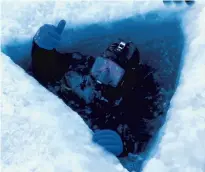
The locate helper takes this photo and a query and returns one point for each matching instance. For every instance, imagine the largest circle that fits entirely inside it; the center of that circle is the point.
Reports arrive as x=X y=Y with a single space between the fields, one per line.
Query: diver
x=114 y=93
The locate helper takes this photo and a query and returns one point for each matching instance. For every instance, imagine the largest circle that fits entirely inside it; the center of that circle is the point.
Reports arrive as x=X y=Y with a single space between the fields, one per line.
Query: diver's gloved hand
x=49 y=36
x=110 y=140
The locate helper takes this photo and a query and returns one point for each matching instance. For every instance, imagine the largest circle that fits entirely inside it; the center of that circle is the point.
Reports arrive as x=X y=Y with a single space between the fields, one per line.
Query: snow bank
x=40 y=133
x=37 y=128
x=182 y=147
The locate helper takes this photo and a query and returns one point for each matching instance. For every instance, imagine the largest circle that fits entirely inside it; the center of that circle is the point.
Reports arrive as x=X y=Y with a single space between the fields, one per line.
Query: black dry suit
x=130 y=109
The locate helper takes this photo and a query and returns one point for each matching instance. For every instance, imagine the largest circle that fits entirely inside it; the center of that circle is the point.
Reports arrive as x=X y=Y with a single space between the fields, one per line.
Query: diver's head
x=122 y=53
x=109 y=68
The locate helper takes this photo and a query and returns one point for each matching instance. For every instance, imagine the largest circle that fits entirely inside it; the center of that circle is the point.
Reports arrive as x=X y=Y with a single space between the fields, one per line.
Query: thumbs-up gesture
x=49 y=36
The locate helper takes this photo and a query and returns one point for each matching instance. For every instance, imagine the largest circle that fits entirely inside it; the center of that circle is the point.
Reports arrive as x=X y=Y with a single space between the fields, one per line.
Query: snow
x=40 y=133
x=182 y=147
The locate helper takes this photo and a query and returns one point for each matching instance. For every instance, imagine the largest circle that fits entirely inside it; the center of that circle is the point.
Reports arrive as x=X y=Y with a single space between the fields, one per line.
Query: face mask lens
x=107 y=72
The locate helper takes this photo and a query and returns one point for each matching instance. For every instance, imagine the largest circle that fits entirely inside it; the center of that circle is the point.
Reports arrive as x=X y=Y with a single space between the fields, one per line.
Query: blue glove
x=49 y=36
x=110 y=140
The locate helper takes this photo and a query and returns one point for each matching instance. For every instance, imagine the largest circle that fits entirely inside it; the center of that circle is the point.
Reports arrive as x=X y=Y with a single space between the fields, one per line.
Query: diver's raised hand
x=49 y=36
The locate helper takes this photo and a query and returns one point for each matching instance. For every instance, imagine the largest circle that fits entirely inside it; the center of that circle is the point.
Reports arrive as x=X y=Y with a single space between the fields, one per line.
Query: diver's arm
x=49 y=65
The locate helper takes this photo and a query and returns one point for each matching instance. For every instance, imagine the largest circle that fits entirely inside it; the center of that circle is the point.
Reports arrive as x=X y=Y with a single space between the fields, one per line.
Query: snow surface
x=182 y=147
x=40 y=133
x=37 y=128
